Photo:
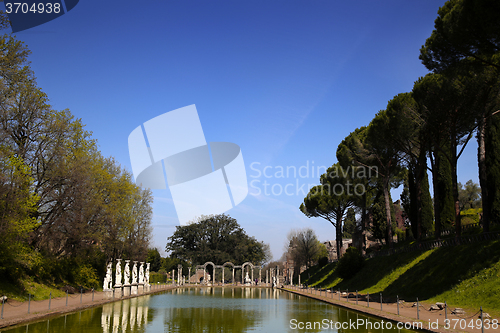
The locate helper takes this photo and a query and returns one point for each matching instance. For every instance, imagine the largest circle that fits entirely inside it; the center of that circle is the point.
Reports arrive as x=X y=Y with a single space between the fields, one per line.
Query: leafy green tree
x=349 y=152
x=217 y=238
x=463 y=29
x=409 y=137
x=337 y=193
x=154 y=258
x=467 y=31
x=469 y=195
x=384 y=155
x=349 y=224
x=445 y=103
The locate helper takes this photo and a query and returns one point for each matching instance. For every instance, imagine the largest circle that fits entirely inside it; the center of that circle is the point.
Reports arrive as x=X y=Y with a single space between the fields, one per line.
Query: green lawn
x=465 y=276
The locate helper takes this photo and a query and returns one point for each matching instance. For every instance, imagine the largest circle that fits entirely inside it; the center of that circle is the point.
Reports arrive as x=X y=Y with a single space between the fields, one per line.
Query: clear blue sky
x=285 y=80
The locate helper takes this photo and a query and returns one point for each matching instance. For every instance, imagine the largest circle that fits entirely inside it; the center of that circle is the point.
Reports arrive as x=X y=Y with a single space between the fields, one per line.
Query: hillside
x=466 y=276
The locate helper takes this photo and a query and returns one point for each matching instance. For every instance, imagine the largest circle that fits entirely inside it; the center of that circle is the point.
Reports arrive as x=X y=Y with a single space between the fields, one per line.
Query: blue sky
x=285 y=80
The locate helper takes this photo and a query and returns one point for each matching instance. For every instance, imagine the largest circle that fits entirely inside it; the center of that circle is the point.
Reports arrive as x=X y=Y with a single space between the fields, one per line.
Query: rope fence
x=16 y=304
x=366 y=298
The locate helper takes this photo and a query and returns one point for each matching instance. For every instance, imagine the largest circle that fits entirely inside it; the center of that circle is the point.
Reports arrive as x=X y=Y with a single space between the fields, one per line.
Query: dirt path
x=15 y=312
x=429 y=320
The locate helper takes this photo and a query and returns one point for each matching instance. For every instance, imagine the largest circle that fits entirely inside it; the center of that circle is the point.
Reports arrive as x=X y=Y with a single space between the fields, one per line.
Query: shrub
x=86 y=276
x=350 y=263
x=323 y=261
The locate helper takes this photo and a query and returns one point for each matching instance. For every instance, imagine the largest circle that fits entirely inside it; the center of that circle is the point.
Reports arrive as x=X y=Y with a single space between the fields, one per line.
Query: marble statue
x=108 y=279
x=147 y=274
x=126 y=280
x=134 y=273
x=141 y=273
x=247 y=279
x=118 y=274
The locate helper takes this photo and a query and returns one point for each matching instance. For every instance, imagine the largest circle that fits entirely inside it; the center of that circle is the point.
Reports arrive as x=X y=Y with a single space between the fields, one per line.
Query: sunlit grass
x=465 y=276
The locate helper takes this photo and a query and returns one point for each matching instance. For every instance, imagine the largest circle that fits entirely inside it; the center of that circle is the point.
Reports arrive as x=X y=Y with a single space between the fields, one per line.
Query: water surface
x=213 y=310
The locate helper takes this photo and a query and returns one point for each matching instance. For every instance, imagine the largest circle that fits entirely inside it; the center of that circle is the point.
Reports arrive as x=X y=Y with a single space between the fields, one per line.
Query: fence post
x=482 y=322
x=418 y=310
x=445 y=311
x=3 y=301
x=380 y=301
x=347 y=295
x=356 y=296
x=50 y=298
x=81 y=295
x=29 y=302
x=397 y=301
x=66 y=297
x=368 y=299
x=339 y=294
x=92 y=294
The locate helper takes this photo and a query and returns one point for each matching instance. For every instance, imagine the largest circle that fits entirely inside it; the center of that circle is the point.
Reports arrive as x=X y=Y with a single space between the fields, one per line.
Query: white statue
x=208 y=278
x=141 y=273
x=247 y=279
x=134 y=273
x=127 y=272
x=118 y=274
x=108 y=279
x=147 y=274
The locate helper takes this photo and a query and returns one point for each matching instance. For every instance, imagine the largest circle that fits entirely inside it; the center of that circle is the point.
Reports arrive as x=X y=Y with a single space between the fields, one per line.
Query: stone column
x=204 y=276
x=252 y=275
x=260 y=276
x=233 y=275
x=179 y=274
x=222 y=275
x=173 y=278
x=189 y=275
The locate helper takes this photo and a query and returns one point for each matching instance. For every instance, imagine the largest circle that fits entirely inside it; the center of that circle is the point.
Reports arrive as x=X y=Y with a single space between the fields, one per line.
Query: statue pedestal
x=140 y=289
x=133 y=289
x=118 y=291
x=108 y=293
x=126 y=290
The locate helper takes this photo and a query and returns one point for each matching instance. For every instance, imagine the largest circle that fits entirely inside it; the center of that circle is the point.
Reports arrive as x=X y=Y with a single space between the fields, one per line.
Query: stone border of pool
x=39 y=310
x=372 y=311
x=18 y=315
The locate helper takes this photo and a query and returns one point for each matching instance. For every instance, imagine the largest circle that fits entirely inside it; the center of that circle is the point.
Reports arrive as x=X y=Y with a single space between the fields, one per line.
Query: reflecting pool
x=213 y=310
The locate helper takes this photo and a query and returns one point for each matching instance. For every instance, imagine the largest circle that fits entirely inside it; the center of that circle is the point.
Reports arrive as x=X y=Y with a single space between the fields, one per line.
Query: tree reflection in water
x=206 y=309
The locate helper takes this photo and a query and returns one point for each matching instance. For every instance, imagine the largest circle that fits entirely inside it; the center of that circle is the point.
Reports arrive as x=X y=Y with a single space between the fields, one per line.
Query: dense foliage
x=219 y=239
x=64 y=208
x=428 y=129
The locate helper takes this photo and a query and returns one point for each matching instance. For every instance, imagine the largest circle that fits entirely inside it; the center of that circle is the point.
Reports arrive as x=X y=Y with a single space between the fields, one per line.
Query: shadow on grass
x=315 y=274
x=443 y=269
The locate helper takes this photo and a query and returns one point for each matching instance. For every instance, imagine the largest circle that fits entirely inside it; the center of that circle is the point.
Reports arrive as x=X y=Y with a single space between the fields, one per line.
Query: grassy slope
x=467 y=276
x=20 y=290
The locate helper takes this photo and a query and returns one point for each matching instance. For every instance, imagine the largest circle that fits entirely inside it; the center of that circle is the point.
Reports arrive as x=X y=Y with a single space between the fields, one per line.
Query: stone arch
x=205 y=270
x=227 y=263
x=248 y=263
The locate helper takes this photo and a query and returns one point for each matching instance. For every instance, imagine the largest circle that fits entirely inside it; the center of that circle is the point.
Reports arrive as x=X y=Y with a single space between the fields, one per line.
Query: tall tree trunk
x=388 y=212
x=483 y=174
x=338 y=237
